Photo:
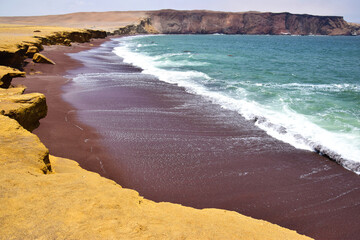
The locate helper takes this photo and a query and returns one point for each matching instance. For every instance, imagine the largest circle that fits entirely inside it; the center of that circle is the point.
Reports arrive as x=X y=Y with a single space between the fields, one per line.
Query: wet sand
x=60 y=131
x=174 y=146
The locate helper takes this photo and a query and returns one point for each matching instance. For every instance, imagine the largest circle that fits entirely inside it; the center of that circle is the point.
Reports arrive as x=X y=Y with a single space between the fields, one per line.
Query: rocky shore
x=47 y=197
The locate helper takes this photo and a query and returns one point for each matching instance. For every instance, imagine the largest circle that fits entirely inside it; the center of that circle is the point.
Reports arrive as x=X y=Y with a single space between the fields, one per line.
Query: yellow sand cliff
x=46 y=197
x=12 y=36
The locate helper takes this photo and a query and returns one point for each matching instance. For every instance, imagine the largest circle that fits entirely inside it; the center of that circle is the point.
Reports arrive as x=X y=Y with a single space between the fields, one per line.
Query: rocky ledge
x=7 y=74
x=27 y=109
x=15 y=56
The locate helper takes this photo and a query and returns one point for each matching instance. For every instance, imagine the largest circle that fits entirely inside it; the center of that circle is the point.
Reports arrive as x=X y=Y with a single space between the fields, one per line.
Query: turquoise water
x=303 y=90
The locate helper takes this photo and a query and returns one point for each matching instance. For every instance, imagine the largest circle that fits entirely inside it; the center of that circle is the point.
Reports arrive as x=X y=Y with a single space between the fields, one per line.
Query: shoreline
x=76 y=203
x=297 y=208
x=61 y=131
x=280 y=127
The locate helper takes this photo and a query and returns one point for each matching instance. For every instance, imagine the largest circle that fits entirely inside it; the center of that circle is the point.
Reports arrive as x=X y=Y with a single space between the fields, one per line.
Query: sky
x=350 y=9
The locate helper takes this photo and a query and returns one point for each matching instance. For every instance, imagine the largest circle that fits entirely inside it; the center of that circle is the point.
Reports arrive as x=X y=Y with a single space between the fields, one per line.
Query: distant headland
x=200 y=22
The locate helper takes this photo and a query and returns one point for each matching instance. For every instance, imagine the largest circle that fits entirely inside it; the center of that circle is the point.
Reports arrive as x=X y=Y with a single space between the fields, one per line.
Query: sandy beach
x=60 y=131
x=178 y=147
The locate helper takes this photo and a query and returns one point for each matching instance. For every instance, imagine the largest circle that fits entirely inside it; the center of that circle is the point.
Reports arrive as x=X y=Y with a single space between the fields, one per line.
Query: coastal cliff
x=14 y=48
x=46 y=197
x=209 y=22
x=197 y=22
x=143 y=26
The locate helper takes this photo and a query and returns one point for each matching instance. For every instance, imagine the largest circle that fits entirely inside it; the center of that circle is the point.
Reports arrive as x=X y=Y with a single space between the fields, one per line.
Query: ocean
x=302 y=90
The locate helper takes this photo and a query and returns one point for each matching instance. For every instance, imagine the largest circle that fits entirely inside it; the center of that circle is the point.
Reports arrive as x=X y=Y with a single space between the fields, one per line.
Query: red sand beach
x=177 y=147
x=60 y=131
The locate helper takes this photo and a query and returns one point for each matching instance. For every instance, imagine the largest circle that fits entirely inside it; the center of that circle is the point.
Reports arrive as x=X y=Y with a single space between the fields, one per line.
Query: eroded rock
x=39 y=58
x=27 y=109
x=13 y=58
x=31 y=51
x=144 y=26
x=65 y=38
x=7 y=74
x=20 y=151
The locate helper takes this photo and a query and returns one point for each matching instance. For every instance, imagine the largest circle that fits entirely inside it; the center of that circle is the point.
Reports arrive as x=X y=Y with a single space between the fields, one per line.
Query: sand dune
x=92 y=20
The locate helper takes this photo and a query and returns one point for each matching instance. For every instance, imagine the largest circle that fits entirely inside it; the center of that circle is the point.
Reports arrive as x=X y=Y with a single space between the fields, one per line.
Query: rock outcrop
x=20 y=152
x=31 y=51
x=13 y=58
x=15 y=54
x=144 y=26
x=65 y=38
x=208 y=22
x=39 y=58
x=355 y=29
x=7 y=74
x=27 y=109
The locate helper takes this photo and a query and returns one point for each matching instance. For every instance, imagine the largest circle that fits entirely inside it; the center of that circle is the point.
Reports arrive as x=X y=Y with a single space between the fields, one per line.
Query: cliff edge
x=72 y=203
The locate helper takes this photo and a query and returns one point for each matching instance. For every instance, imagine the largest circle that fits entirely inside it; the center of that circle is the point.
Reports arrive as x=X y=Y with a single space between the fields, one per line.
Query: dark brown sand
x=174 y=146
x=60 y=131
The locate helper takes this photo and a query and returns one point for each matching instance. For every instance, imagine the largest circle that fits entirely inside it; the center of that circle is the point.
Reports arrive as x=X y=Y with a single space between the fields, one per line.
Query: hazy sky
x=350 y=9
